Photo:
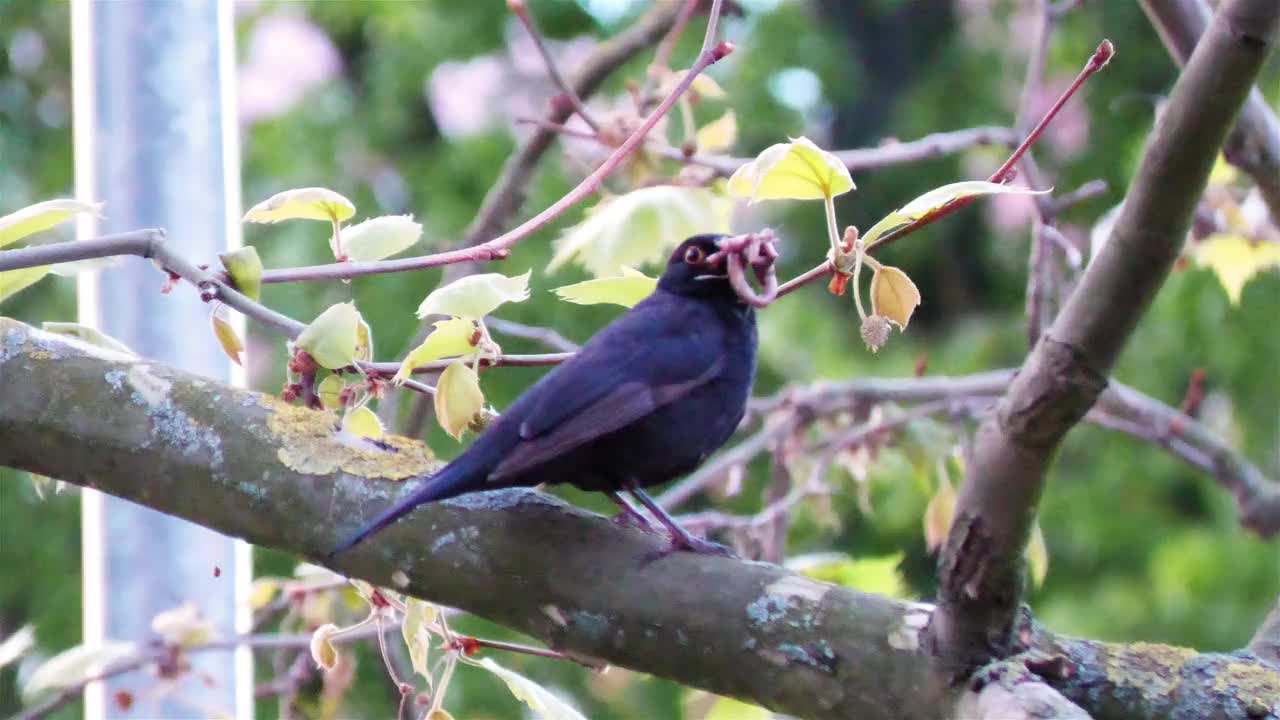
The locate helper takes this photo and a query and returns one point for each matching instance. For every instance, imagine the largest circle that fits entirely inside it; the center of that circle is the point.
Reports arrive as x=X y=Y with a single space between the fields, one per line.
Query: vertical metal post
x=156 y=139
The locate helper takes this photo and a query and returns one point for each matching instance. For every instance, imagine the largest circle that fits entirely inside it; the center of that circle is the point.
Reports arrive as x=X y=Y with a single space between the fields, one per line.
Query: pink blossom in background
x=472 y=96
x=287 y=57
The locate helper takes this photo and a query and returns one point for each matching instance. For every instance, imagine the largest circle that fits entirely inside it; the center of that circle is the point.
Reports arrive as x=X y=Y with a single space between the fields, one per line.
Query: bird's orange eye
x=694 y=255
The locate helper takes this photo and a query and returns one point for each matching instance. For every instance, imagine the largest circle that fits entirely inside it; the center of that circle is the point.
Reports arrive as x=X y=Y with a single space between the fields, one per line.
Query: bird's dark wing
x=645 y=360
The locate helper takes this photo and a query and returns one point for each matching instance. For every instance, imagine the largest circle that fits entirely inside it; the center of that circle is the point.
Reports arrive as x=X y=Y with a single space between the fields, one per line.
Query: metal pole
x=156 y=140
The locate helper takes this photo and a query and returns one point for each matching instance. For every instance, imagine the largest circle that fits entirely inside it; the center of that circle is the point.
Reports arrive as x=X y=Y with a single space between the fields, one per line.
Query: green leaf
x=935 y=200
x=331 y=338
x=87 y=334
x=418 y=618
x=364 y=422
x=459 y=399
x=182 y=626
x=893 y=295
x=1038 y=556
x=640 y=227
x=1233 y=258
x=450 y=338
x=13 y=282
x=42 y=216
x=730 y=709
x=245 y=270
x=545 y=704
x=17 y=644
x=626 y=290
x=380 y=237
x=74 y=665
x=226 y=336
x=475 y=296
x=718 y=135
x=937 y=516
x=313 y=203
x=882 y=575
x=323 y=652
x=795 y=170
x=329 y=390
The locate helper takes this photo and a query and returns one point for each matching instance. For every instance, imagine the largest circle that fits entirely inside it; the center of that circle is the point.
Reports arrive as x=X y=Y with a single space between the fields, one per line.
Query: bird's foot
x=630 y=519
x=689 y=543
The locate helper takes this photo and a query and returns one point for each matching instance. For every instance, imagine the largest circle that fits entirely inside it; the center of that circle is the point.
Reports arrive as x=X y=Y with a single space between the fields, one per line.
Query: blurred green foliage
x=1142 y=547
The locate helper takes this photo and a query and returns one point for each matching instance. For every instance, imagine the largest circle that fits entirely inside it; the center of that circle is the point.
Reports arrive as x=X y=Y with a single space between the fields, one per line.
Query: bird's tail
x=454 y=479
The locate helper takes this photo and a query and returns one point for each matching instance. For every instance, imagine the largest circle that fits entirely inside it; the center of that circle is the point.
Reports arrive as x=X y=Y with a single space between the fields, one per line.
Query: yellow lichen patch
x=1250 y=683
x=310 y=443
x=1153 y=668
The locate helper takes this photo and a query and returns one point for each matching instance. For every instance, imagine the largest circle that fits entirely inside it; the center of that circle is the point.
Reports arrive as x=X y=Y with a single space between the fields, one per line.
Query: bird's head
x=692 y=271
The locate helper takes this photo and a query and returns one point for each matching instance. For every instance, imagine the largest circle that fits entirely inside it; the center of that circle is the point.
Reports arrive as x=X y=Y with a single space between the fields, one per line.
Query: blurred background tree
x=409 y=107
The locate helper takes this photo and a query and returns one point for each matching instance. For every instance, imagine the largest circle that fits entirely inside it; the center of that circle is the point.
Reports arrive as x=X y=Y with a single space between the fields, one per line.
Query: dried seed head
x=875 y=332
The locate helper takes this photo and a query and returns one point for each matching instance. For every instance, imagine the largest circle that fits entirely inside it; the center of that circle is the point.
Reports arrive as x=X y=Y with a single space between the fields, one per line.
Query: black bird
x=646 y=400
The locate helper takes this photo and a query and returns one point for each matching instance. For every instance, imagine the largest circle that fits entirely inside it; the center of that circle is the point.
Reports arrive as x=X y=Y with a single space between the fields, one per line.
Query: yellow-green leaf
x=323 y=651
x=13 y=282
x=703 y=86
x=935 y=200
x=718 y=135
x=331 y=338
x=882 y=575
x=475 y=296
x=73 y=666
x=87 y=334
x=182 y=626
x=641 y=227
x=380 y=237
x=626 y=290
x=458 y=398
x=313 y=203
x=41 y=216
x=450 y=338
x=364 y=340
x=329 y=390
x=439 y=714
x=730 y=709
x=1234 y=258
x=226 y=336
x=1038 y=556
x=1223 y=172
x=795 y=170
x=937 y=516
x=418 y=618
x=893 y=295
x=364 y=422
x=545 y=704
x=245 y=270
x=263 y=591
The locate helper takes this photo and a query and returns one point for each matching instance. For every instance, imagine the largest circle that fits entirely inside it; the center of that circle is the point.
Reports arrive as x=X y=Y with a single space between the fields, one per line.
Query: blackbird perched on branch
x=646 y=400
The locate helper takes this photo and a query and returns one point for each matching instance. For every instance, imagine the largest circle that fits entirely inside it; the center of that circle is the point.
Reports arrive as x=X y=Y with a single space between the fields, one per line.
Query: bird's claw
x=688 y=544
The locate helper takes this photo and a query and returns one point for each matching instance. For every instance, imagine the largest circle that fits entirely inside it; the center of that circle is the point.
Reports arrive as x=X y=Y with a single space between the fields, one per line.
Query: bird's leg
x=680 y=538
x=629 y=515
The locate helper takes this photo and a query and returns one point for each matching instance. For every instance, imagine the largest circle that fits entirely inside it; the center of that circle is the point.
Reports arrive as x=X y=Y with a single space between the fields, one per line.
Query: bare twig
x=662 y=56
x=546 y=336
x=522 y=12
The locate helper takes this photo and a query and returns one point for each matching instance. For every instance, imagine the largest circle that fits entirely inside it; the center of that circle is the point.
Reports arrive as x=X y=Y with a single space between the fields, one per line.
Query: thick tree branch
x=981 y=570
x=279 y=476
x=1254 y=142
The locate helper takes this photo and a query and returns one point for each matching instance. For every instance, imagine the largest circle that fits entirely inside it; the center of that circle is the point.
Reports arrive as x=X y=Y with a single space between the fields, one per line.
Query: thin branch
x=888 y=153
x=522 y=12
x=1254 y=142
x=662 y=56
x=546 y=336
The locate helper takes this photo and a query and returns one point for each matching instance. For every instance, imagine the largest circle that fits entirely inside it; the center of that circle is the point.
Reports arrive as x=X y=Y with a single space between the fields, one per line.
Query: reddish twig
x=522 y=12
